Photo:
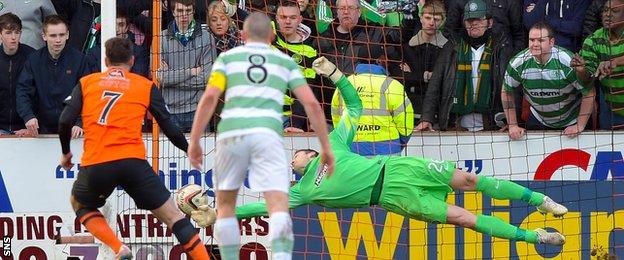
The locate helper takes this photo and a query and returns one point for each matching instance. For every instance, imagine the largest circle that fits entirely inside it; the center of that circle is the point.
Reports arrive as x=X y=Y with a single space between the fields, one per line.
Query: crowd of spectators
x=463 y=65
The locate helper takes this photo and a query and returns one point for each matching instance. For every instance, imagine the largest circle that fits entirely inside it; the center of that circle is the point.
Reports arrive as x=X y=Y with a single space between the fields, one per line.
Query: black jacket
x=10 y=68
x=80 y=15
x=420 y=56
x=593 y=17
x=141 y=57
x=363 y=44
x=507 y=15
x=44 y=83
x=441 y=90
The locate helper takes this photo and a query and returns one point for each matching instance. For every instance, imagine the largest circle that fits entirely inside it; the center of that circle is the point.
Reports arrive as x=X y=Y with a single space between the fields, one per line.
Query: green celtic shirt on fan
x=256 y=78
x=552 y=89
x=597 y=48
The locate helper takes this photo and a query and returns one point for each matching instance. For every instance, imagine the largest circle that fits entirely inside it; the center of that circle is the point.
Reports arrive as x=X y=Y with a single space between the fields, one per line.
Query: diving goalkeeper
x=410 y=186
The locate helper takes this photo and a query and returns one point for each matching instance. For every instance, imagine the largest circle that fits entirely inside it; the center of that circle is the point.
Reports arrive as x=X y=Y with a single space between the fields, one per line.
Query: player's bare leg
x=504 y=189
x=168 y=214
x=95 y=222
x=280 y=223
x=496 y=227
x=226 y=229
x=182 y=228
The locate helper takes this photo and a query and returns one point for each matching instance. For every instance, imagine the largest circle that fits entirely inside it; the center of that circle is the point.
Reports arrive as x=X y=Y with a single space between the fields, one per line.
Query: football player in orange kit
x=113 y=104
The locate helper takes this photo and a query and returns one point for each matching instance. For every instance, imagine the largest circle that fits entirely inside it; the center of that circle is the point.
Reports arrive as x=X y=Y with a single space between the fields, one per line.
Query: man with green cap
x=507 y=16
x=464 y=90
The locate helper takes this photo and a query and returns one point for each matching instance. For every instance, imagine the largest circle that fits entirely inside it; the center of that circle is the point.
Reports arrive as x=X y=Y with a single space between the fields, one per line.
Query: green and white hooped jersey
x=256 y=77
x=552 y=89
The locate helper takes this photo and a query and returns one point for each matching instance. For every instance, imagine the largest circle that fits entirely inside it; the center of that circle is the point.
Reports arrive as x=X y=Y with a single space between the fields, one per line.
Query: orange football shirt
x=114 y=105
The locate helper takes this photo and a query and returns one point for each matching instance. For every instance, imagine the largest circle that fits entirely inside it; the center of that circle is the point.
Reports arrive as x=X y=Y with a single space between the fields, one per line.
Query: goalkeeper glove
x=204 y=216
x=326 y=68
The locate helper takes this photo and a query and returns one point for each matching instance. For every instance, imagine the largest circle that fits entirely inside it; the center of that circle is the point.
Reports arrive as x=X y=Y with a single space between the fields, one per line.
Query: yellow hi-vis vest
x=387 y=114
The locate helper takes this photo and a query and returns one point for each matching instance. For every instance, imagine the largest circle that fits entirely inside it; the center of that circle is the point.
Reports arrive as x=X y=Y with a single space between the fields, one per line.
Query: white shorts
x=262 y=154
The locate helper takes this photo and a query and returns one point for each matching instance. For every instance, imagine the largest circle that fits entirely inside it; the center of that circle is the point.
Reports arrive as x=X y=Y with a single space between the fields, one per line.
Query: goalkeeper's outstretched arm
x=206 y=216
x=260 y=209
x=347 y=126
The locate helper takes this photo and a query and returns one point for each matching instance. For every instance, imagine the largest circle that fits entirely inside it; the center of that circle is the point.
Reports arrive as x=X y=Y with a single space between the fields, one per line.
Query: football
x=189 y=197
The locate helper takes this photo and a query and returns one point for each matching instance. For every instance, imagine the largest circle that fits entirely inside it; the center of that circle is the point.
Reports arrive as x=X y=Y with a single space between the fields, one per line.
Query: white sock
x=227 y=233
x=281 y=236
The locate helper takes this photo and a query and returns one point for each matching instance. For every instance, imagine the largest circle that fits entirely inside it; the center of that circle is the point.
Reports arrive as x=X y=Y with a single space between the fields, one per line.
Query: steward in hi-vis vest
x=387 y=120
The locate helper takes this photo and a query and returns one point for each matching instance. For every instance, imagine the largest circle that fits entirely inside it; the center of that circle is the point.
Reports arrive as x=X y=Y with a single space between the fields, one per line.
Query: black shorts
x=96 y=182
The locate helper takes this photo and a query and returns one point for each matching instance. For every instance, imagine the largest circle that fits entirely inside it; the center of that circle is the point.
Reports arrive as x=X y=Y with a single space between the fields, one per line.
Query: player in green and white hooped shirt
x=413 y=187
x=558 y=99
x=249 y=135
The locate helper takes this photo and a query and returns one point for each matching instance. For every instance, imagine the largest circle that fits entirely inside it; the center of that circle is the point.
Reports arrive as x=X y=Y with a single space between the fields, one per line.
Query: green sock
x=496 y=227
x=282 y=245
x=503 y=189
x=230 y=252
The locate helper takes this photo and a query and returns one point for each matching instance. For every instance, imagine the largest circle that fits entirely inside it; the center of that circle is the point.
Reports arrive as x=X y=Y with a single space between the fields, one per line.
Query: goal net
x=581 y=173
